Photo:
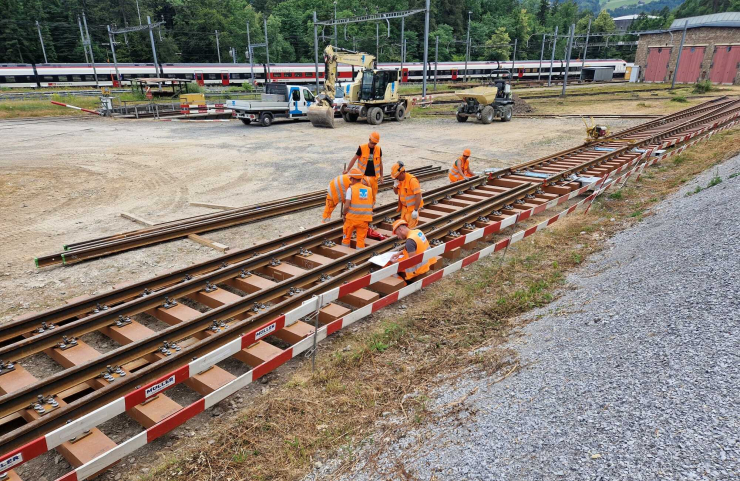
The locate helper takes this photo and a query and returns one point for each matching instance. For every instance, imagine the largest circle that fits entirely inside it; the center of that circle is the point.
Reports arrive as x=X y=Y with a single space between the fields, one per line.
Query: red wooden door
x=199 y=78
x=405 y=75
x=690 y=66
x=454 y=74
x=225 y=77
x=725 y=64
x=657 y=64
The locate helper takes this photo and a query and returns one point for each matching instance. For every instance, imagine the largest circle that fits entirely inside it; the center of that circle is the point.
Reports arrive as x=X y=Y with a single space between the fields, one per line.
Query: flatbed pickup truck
x=279 y=101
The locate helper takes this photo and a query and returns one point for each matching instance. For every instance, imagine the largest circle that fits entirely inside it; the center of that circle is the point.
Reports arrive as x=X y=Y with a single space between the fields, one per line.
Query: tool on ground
x=595 y=132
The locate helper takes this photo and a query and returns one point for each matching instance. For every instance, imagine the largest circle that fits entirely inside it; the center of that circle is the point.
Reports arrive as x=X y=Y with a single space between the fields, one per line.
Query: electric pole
x=249 y=53
x=89 y=45
x=467 y=49
x=82 y=36
x=436 y=62
x=154 y=49
x=38 y=27
x=585 y=47
x=112 y=41
x=336 y=41
x=218 y=48
x=426 y=50
x=267 y=50
x=678 y=60
x=567 y=58
x=542 y=54
x=552 y=58
x=403 y=44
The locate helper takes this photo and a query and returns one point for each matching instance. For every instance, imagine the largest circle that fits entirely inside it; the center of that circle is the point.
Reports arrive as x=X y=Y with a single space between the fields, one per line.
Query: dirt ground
x=68 y=181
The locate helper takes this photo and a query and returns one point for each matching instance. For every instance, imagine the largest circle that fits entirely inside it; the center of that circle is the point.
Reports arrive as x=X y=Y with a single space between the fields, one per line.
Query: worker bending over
x=409 y=194
x=372 y=170
x=415 y=242
x=358 y=209
x=461 y=168
x=334 y=194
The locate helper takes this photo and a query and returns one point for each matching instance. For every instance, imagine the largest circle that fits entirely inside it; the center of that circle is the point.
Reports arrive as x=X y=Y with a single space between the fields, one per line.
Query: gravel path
x=633 y=375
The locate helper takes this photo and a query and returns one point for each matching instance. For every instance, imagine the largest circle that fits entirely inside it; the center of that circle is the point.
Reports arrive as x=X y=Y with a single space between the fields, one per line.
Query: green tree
x=497 y=46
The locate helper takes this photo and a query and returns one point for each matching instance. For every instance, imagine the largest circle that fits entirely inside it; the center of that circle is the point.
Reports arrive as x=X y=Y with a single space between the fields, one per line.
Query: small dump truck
x=280 y=101
x=486 y=103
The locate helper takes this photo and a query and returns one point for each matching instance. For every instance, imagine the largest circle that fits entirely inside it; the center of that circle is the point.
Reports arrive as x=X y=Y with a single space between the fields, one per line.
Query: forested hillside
x=189 y=30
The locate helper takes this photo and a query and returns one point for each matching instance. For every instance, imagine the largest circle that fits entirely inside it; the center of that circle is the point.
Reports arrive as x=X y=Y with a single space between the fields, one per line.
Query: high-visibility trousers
x=360 y=227
x=406 y=215
x=373 y=183
x=329 y=207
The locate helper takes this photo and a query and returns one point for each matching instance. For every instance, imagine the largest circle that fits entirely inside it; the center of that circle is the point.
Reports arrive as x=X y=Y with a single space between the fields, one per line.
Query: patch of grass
x=643 y=105
x=616 y=195
x=703 y=87
x=716 y=180
x=343 y=403
x=732 y=176
x=679 y=98
x=679 y=159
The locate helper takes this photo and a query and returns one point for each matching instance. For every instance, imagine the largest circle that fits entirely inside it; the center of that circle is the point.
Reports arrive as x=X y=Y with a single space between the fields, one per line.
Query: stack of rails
x=94 y=248
x=247 y=290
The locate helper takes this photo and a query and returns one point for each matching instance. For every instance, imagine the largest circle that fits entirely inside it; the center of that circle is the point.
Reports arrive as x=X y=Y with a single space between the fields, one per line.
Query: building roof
x=631 y=17
x=727 y=19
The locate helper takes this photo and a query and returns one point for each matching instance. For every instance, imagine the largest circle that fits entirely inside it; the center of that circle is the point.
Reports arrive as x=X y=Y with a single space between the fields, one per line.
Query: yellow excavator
x=373 y=94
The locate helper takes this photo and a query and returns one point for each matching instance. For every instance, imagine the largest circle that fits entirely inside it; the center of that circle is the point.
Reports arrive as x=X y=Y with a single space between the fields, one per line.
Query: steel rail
x=385 y=184
x=187 y=279
x=640 y=143
x=439 y=227
x=450 y=220
x=589 y=146
x=175 y=232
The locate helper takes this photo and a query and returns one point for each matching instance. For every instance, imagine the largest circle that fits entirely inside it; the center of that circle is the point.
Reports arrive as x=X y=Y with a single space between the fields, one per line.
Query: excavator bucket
x=321 y=116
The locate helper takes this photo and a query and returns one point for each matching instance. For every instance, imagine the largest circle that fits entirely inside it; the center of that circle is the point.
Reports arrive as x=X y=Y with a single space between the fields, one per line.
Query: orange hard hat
x=466 y=152
x=396 y=169
x=356 y=173
x=398 y=224
x=374 y=137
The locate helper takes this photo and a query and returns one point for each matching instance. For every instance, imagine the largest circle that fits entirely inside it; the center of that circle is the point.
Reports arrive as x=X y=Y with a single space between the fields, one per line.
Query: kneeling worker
x=461 y=168
x=358 y=209
x=334 y=194
x=409 y=194
x=415 y=242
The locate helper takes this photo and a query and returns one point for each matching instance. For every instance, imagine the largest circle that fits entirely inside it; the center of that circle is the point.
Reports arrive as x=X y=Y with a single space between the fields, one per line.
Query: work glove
x=396 y=183
x=414 y=215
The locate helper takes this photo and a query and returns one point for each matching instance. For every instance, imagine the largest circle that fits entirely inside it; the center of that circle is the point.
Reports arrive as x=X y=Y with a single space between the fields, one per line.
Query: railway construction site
x=174 y=308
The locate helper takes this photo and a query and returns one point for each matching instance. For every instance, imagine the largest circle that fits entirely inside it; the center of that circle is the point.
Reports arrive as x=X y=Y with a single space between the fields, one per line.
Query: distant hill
x=627 y=7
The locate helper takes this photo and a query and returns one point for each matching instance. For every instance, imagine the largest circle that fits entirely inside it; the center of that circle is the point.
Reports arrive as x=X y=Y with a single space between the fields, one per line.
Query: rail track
x=94 y=248
x=213 y=304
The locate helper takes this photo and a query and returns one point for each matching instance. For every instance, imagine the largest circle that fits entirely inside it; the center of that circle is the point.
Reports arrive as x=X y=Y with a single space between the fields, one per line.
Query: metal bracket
x=121 y=321
x=6 y=367
x=67 y=343
x=168 y=303
x=111 y=373
x=350 y=265
x=44 y=405
x=328 y=243
x=275 y=262
x=304 y=252
x=324 y=278
x=210 y=287
x=44 y=327
x=293 y=291
x=81 y=436
x=244 y=274
x=99 y=308
x=167 y=348
x=468 y=226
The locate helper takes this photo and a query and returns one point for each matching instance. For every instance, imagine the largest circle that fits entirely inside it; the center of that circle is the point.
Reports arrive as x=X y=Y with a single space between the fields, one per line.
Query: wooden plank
x=212 y=206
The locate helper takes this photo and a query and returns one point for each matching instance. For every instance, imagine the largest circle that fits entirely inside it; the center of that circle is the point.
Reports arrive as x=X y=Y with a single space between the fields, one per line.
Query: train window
x=288 y=74
x=309 y=75
x=211 y=76
x=76 y=78
x=298 y=74
x=235 y=76
x=7 y=78
x=48 y=78
x=277 y=75
x=321 y=75
x=62 y=78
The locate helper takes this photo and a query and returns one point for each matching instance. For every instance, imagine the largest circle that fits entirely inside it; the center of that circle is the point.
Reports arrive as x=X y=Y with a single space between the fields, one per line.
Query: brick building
x=711 y=50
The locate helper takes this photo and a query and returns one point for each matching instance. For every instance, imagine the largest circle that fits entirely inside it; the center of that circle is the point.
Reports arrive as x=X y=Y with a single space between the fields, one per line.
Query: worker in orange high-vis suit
x=358 y=209
x=461 y=168
x=373 y=170
x=334 y=195
x=414 y=243
x=409 y=194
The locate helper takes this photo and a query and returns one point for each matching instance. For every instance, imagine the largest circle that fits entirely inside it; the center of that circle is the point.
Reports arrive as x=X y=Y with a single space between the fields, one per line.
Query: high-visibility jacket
x=360 y=207
x=422 y=244
x=362 y=161
x=338 y=188
x=459 y=169
x=407 y=190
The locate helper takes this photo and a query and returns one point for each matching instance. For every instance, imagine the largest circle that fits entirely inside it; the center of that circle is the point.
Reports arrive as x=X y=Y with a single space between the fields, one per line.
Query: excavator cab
x=375 y=83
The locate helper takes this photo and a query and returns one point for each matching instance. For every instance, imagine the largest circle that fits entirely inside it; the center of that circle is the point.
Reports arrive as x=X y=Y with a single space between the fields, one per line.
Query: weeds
x=732 y=176
x=616 y=195
x=703 y=87
x=679 y=98
x=716 y=180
